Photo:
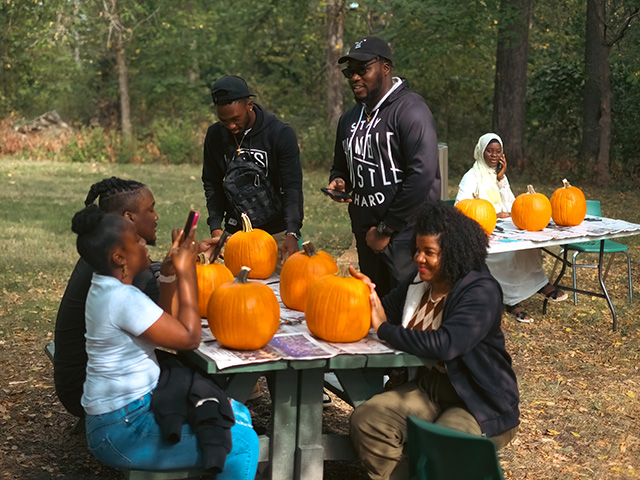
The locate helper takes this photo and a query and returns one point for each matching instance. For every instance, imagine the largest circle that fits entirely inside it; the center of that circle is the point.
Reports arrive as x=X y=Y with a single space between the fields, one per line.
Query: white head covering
x=486 y=175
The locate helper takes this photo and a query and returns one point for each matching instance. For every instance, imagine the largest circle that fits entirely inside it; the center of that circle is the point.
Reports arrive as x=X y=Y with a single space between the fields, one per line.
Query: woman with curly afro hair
x=450 y=313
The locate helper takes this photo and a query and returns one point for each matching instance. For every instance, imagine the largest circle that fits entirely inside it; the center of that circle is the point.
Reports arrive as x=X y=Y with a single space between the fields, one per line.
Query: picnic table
x=511 y=238
x=296 y=363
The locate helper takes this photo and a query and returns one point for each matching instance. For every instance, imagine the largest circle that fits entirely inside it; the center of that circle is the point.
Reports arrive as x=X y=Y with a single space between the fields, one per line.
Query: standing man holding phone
x=386 y=156
x=251 y=165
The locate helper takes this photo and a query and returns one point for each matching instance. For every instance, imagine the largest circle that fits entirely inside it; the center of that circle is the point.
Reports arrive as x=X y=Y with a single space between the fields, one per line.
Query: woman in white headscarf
x=519 y=273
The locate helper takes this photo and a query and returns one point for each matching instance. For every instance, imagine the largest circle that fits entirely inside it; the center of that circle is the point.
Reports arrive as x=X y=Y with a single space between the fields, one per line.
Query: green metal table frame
x=297 y=448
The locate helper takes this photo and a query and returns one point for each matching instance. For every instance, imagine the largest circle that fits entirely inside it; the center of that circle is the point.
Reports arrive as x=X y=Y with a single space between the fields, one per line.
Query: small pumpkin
x=254 y=248
x=300 y=271
x=210 y=276
x=568 y=205
x=531 y=211
x=243 y=315
x=338 y=308
x=480 y=210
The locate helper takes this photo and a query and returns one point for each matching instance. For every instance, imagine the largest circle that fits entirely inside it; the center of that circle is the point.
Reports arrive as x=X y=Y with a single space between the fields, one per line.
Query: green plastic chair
x=611 y=247
x=441 y=453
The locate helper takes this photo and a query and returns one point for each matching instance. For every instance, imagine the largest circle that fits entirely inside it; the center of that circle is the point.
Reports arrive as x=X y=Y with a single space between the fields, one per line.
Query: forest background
x=559 y=80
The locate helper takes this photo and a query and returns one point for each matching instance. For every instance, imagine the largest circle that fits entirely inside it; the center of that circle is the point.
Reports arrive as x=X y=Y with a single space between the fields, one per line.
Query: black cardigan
x=471 y=344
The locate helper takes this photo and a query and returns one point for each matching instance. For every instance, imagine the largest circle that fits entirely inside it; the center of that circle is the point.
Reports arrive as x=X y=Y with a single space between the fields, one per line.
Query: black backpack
x=249 y=191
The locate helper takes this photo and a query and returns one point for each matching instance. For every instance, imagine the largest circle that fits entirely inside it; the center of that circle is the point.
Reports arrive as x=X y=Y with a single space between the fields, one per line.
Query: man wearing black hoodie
x=386 y=157
x=246 y=133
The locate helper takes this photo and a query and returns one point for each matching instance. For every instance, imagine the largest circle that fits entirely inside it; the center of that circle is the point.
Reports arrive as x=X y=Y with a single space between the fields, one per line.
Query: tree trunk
x=335 y=46
x=596 y=132
x=123 y=83
x=602 y=166
x=123 y=75
x=509 y=103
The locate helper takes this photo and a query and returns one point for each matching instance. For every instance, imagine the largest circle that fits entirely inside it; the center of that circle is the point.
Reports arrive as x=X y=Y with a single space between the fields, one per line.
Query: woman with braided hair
x=134 y=201
x=124 y=328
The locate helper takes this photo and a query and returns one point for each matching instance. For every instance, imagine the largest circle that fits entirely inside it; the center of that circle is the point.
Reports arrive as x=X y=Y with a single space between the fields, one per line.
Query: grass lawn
x=579 y=381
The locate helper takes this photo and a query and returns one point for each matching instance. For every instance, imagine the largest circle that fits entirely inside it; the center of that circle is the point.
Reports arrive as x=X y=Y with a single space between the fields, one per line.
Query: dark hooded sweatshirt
x=471 y=344
x=273 y=146
x=390 y=163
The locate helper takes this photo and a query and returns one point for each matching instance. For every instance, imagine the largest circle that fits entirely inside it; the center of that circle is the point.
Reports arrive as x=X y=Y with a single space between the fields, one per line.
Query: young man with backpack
x=251 y=165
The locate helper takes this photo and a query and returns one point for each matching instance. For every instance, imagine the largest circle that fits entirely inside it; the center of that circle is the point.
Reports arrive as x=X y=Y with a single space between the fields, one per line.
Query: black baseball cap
x=228 y=89
x=367 y=49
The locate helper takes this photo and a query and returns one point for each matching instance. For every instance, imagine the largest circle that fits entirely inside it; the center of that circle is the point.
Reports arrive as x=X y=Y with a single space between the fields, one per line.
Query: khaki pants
x=379 y=426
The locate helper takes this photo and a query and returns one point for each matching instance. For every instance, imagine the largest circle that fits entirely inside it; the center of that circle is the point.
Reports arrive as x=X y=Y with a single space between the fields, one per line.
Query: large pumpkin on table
x=253 y=248
x=243 y=315
x=210 y=276
x=338 y=308
x=531 y=211
x=568 y=205
x=480 y=210
x=300 y=271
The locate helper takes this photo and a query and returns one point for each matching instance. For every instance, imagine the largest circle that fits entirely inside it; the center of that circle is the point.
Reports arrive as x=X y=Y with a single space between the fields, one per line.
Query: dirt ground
x=579 y=383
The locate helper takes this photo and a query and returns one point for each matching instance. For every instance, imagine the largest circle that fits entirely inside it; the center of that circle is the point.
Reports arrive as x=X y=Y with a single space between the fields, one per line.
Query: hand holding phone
x=335 y=194
x=192 y=219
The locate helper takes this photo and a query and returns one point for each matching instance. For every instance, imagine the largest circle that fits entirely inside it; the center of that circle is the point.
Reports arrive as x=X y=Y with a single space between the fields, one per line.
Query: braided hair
x=98 y=233
x=463 y=243
x=115 y=195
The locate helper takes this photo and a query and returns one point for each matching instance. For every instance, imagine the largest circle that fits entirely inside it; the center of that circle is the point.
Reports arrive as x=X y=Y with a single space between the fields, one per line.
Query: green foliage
x=90 y=145
x=555 y=113
x=316 y=147
x=57 y=55
x=177 y=141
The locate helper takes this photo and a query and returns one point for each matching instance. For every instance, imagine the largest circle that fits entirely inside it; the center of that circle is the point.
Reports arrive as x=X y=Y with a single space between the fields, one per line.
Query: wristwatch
x=295 y=235
x=385 y=230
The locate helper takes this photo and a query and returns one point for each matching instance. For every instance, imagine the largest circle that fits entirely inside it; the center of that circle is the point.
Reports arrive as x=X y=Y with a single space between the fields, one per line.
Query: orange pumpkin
x=254 y=248
x=338 y=308
x=300 y=271
x=480 y=210
x=243 y=315
x=531 y=211
x=568 y=205
x=210 y=276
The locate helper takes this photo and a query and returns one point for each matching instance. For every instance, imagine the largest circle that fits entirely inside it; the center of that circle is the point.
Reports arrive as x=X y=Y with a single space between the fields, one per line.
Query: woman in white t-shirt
x=519 y=273
x=124 y=327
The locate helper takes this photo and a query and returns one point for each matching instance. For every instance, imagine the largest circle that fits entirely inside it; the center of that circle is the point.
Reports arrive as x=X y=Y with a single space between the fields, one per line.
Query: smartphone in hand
x=335 y=194
x=192 y=219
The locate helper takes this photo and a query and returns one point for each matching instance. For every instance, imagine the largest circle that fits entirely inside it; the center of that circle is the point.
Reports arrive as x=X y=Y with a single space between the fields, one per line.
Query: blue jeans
x=130 y=438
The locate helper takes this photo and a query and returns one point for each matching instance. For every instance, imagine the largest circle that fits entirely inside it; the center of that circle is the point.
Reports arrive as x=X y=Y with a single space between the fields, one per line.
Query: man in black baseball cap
x=249 y=143
x=386 y=157
x=229 y=88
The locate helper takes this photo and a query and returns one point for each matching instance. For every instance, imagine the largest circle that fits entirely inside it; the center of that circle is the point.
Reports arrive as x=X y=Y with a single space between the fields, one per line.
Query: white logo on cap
x=359 y=44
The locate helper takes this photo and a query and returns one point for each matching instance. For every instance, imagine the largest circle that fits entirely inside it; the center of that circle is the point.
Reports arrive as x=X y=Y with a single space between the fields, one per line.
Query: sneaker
x=256 y=393
x=326 y=400
x=553 y=294
x=518 y=313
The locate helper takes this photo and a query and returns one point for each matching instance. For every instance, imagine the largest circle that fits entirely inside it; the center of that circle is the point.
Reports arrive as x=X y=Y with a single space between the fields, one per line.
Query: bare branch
x=614 y=33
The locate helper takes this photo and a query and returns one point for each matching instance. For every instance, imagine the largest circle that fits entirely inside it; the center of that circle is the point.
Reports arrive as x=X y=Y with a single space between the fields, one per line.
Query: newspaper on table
x=590 y=227
x=293 y=341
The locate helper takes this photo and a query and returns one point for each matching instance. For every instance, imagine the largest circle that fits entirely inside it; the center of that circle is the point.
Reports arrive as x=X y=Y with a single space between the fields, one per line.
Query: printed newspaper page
x=590 y=227
x=293 y=341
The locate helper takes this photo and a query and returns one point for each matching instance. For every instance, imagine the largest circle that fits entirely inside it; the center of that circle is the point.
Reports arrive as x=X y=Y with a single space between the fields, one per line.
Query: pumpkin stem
x=476 y=196
x=246 y=223
x=309 y=249
x=243 y=275
x=343 y=269
x=566 y=183
x=202 y=259
x=530 y=189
